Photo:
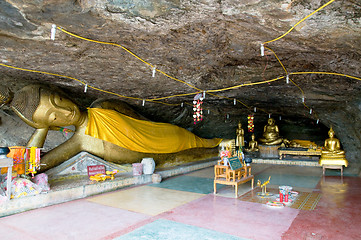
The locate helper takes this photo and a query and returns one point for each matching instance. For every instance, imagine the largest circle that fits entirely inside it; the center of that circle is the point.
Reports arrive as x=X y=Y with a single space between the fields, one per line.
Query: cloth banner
x=142 y=136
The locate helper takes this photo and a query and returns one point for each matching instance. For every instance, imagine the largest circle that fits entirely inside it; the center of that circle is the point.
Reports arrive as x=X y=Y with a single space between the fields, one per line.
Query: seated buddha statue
x=110 y=130
x=252 y=145
x=271 y=133
x=331 y=152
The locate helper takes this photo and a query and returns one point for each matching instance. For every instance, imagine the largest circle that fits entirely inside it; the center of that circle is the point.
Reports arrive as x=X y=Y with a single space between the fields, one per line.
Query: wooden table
x=226 y=176
x=309 y=152
x=234 y=183
x=332 y=167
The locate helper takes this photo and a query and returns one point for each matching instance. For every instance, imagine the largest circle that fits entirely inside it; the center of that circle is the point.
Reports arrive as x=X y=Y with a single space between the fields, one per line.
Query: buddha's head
x=41 y=107
x=239 y=124
x=331 y=133
x=271 y=121
x=253 y=137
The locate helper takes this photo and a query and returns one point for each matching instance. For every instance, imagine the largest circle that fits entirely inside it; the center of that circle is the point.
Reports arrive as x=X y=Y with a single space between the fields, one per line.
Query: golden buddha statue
x=331 y=152
x=239 y=136
x=271 y=133
x=109 y=129
x=252 y=145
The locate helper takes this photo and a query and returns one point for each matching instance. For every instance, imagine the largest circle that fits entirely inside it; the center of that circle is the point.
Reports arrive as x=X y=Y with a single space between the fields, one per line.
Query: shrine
x=164 y=119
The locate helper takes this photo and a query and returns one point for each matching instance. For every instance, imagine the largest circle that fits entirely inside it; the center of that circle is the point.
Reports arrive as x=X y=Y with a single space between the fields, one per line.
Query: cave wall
x=210 y=44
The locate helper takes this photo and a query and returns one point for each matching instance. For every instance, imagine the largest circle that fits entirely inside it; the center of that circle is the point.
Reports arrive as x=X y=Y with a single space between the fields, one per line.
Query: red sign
x=95 y=169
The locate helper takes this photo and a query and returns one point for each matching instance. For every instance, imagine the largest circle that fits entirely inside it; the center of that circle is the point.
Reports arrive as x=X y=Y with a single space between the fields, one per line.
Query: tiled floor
x=184 y=207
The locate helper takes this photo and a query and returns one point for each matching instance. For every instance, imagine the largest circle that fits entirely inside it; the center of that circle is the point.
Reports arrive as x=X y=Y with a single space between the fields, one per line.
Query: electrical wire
x=284 y=68
x=130 y=52
x=210 y=92
x=309 y=15
x=72 y=78
x=216 y=90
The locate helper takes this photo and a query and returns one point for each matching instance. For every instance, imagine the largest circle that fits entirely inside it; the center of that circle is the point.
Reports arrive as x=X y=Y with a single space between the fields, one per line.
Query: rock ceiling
x=199 y=46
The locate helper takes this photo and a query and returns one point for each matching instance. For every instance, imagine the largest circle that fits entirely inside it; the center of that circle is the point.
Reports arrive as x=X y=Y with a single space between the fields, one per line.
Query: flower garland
x=250 y=123
x=33 y=160
x=197 y=108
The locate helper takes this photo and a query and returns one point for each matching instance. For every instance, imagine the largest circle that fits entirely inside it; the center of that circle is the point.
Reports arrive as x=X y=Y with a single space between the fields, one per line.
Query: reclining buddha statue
x=110 y=130
x=331 y=152
x=271 y=133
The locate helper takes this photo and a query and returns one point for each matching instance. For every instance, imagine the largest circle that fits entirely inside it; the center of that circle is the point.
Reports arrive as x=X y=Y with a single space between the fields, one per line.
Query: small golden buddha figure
x=331 y=152
x=271 y=133
x=252 y=145
x=110 y=130
x=240 y=136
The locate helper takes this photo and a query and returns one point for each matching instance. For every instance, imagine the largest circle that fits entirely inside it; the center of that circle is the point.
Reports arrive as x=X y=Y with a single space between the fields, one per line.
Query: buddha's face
x=55 y=110
x=331 y=134
x=271 y=121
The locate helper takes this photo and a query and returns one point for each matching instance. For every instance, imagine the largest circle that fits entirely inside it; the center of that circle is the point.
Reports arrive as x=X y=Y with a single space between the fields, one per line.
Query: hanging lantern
x=250 y=123
x=197 y=108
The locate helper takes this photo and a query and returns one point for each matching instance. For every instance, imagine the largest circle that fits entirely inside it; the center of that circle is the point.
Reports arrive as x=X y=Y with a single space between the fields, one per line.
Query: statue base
x=336 y=161
x=77 y=166
x=268 y=151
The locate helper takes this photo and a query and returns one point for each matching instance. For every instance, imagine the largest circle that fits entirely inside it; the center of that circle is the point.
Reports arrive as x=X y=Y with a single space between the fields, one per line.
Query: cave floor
x=184 y=207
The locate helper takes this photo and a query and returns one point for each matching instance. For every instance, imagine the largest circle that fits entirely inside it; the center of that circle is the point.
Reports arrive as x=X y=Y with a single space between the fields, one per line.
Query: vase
x=148 y=165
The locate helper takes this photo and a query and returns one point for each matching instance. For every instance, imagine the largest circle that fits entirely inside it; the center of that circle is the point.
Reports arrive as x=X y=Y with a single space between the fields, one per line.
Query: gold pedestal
x=268 y=151
x=333 y=161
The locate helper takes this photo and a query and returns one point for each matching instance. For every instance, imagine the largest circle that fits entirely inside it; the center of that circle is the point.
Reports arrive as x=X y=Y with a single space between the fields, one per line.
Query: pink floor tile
x=14 y=232
x=235 y=217
x=337 y=215
x=74 y=220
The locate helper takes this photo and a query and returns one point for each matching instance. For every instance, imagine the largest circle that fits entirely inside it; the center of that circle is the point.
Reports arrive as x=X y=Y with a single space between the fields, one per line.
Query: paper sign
x=234 y=163
x=96 y=169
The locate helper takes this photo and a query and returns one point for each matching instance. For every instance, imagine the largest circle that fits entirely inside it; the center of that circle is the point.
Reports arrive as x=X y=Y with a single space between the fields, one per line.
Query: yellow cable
x=303 y=93
x=244 y=85
x=89 y=86
x=278 y=59
x=168 y=104
x=232 y=99
x=216 y=90
x=172 y=96
x=35 y=71
x=116 y=94
x=327 y=73
x=287 y=74
x=130 y=52
x=165 y=74
x=309 y=15
x=155 y=100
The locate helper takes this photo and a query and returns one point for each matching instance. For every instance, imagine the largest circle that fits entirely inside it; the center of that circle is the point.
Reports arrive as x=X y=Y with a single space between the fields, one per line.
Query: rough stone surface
x=209 y=44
